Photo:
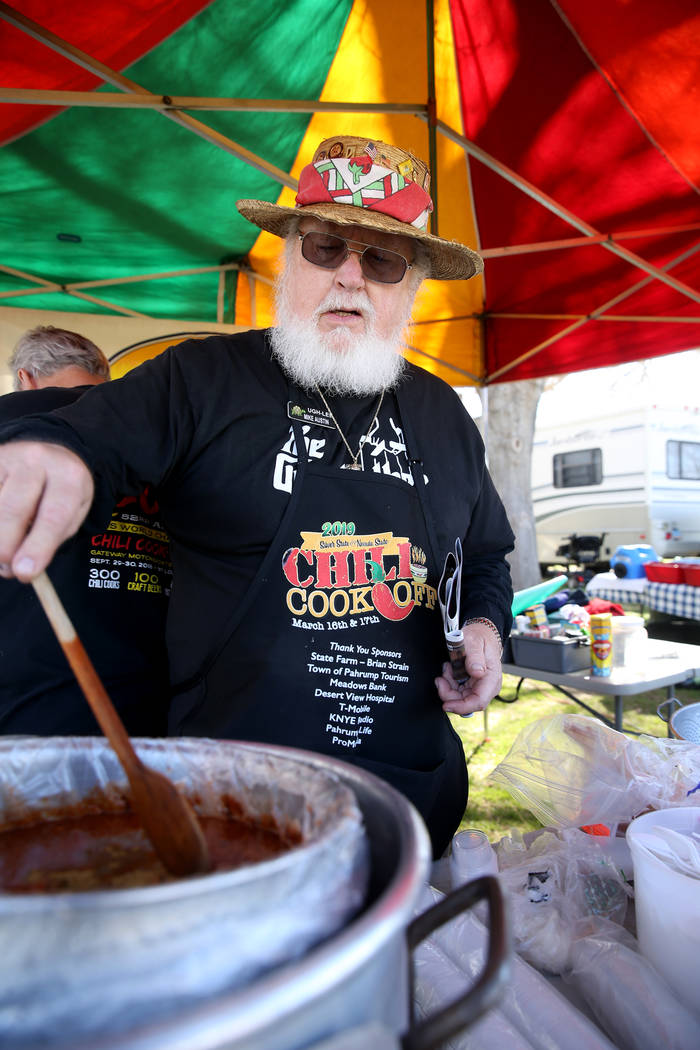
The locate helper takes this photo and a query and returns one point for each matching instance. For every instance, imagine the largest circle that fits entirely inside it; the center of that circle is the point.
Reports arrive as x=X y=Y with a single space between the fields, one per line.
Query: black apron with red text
x=339 y=641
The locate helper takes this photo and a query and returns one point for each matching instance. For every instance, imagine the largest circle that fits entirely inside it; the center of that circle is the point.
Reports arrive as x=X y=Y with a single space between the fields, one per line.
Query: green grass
x=491 y=808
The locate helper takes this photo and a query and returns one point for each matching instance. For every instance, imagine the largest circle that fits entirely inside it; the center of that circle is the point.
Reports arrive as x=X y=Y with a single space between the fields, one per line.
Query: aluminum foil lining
x=79 y=964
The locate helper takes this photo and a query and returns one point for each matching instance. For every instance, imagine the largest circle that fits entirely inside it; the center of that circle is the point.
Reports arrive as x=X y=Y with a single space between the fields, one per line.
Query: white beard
x=339 y=361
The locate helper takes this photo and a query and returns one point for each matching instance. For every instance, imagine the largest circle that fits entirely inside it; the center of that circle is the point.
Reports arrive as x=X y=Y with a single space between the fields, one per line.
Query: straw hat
x=363 y=182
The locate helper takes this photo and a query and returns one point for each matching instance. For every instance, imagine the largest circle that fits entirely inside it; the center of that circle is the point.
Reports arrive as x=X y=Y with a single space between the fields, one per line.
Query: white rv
x=633 y=475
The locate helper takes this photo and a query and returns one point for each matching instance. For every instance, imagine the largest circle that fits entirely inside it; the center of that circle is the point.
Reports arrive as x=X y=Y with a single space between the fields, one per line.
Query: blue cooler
x=628 y=562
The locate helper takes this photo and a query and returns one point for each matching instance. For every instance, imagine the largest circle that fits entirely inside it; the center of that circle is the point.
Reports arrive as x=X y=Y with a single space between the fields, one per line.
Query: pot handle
x=480 y=997
x=667 y=703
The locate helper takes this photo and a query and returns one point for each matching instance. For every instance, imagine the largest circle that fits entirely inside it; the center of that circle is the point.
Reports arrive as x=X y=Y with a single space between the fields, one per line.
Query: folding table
x=667 y=664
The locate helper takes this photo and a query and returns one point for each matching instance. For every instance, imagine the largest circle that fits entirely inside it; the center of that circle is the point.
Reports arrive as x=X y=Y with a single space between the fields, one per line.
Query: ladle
x=165 y=814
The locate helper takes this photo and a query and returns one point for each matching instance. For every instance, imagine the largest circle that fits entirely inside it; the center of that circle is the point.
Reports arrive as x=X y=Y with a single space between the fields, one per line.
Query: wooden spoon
x=165 y=814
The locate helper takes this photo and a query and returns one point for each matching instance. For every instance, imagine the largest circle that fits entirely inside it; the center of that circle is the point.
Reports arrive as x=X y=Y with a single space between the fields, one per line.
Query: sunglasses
x=329 y=252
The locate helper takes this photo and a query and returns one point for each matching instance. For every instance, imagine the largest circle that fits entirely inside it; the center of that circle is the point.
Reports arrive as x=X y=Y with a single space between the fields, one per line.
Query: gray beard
x=338 y=361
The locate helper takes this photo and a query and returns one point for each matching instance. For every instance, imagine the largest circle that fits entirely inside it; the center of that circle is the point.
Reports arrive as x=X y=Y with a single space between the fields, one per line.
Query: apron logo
x=356 y=576
x=383 y=598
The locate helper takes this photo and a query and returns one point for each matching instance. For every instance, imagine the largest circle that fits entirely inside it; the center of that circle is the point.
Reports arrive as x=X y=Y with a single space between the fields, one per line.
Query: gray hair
x=45 y=350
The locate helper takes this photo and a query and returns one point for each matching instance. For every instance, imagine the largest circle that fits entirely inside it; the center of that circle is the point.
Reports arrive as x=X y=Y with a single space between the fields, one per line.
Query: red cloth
x=598 y=605
x=596 y=829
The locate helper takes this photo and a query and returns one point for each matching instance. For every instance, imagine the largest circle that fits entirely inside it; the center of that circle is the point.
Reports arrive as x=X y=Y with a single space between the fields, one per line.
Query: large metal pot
x=359 y=976
x=75 y=964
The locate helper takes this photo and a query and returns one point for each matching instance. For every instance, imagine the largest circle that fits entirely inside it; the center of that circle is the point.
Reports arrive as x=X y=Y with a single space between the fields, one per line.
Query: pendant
x=352 y=466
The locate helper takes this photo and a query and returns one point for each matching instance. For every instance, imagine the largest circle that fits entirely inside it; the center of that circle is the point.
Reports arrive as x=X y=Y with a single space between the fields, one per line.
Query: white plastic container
x=629 y=641
x=667 y=906
x=472 y=855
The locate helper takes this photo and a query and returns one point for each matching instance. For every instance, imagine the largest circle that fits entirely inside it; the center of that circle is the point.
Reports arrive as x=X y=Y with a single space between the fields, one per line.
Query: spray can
x=601 y=644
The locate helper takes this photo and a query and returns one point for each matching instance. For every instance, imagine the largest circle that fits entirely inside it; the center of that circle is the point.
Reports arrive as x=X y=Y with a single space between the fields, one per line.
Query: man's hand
x=483 y=662
x=45 y=492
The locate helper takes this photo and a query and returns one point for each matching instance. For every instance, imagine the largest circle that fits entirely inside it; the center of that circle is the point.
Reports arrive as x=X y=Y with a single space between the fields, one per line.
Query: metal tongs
x=449 y=591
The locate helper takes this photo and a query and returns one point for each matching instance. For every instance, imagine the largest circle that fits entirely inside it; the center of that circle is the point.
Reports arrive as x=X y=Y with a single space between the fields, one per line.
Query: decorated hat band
x=360 y=182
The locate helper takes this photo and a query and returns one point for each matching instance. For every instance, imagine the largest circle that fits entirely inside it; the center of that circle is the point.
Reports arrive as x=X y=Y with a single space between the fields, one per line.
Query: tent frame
x=133 y=95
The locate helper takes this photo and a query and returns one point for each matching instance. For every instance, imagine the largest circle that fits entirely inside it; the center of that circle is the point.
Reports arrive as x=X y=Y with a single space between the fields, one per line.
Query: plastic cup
x=472 y=855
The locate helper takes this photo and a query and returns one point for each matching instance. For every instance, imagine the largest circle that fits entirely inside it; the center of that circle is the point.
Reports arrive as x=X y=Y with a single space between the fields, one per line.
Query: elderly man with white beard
x=312 y=482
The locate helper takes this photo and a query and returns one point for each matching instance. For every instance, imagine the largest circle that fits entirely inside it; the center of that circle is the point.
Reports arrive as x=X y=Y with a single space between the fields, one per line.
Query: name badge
x=316 y=416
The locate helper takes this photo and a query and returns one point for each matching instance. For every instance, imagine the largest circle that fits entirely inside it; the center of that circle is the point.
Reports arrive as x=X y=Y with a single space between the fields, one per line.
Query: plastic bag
x=530 y=1006
x=553 y=880
x=572 y=770
x=576 y=615
x=627 y=996
x=439 y=981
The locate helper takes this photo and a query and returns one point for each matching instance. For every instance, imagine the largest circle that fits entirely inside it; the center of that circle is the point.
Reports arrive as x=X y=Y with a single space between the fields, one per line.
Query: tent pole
x=105 y=302
x=146 y=100
x=74 y=54
x=220 y=297
x=440 y=361
x=637 y=318
x=432 y=112
x=253 y=298
x=483 y=388
x=564 y=213
x=45 y=285
x=582 y=242
x=484 y=395
x=593 y=315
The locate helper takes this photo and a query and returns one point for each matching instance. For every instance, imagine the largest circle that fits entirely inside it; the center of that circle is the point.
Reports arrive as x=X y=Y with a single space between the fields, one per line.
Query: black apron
x=337 y=643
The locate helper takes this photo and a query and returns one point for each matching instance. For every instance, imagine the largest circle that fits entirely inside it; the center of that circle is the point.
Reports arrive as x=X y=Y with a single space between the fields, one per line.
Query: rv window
x=583 y=467
x=683 y=460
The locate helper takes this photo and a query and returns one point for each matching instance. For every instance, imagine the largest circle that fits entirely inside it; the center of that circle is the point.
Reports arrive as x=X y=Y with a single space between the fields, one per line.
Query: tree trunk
x=509 y=427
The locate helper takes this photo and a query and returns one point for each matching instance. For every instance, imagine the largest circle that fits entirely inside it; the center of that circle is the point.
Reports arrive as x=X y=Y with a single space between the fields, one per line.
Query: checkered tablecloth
x=610 y=588
x=675 y=599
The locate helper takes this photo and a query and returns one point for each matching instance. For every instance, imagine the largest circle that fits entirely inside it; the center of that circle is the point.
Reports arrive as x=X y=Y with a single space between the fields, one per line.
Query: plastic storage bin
x=691 y=573
x=664 y=572
x=550 y=654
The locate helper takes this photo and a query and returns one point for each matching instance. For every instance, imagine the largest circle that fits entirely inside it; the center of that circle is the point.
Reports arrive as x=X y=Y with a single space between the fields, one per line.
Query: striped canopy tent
x=562 y=137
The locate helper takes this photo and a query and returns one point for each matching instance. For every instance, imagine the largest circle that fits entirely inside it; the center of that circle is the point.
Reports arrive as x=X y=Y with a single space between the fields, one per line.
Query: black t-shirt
x=114 y=579
x=209 y=422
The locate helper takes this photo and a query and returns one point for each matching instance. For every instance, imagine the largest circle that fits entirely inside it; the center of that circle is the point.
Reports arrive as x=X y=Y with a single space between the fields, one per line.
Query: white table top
x=667 y=663
x=608 y=581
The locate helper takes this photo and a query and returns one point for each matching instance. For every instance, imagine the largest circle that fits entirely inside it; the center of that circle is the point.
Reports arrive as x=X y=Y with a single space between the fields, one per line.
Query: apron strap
x=416 y=467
